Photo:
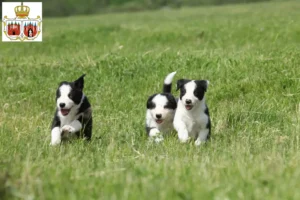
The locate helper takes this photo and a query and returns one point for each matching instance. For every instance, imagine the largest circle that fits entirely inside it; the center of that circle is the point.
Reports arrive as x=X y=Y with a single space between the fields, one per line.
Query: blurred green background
x=52 y=8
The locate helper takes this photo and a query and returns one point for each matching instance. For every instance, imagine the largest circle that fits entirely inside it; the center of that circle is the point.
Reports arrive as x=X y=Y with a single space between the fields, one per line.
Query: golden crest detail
x=22 y=27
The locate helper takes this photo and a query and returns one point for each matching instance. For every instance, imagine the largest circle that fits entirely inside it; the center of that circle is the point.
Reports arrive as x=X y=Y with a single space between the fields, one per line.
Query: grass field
x=249 y=53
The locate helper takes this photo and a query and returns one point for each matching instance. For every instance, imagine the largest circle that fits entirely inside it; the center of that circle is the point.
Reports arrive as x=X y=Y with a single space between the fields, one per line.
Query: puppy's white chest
x=195 y=124
x=192 y=125
x=65 y=121
x=68 y=119
x=166 y=128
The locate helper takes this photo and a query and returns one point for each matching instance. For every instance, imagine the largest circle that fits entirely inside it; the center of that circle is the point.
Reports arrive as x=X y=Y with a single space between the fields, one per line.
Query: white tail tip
x=169 y=78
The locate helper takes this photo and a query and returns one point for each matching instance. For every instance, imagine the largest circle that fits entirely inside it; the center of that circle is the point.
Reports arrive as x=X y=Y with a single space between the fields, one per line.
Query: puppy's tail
x=168 y=82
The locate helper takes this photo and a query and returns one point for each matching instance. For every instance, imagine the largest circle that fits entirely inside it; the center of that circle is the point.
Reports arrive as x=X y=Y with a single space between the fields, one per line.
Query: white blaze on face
x=160 y=102
x=189 y=94
x=64 y=97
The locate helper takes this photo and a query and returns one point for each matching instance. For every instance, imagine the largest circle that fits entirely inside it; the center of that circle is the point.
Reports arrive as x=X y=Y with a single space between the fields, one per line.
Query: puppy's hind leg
x=87 y=132
x=202 y=136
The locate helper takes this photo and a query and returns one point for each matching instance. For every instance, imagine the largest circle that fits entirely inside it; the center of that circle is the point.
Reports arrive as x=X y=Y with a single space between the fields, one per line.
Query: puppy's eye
x=70 y=96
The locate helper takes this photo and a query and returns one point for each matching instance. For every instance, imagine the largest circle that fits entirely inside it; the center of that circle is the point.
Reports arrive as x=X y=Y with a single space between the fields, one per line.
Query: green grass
x=250 y=55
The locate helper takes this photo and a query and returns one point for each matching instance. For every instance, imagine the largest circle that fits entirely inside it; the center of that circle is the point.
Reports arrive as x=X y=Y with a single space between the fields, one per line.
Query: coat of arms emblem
x=21 y=27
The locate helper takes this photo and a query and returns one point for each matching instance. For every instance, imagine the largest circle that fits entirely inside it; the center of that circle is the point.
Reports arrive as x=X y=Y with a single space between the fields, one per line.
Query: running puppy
x=73 y=114
x=192 y=116
x=161 y=110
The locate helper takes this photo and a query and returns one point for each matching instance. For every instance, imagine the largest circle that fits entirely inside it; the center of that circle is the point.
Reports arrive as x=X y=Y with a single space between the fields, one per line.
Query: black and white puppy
x=161 y=110
x=192 y=116
x=73 y=115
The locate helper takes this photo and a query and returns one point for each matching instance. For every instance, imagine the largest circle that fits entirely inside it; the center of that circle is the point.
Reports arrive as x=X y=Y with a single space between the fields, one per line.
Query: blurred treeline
x=81 y=7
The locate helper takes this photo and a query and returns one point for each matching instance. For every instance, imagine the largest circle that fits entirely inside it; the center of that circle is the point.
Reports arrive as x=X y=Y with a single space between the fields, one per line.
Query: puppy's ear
x=181 y=82
x=203 y=84
x=79 y=83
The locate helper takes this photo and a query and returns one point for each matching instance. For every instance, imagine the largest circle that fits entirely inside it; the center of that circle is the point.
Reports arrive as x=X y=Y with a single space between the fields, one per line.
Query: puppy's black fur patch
x=180 y=85
x=150 y=103
x=172 y=103
x=200 y=89
x=208 y=125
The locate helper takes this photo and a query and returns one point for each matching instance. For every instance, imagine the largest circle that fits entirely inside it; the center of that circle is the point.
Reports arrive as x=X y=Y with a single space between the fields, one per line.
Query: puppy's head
x=69 y=94
x=161 y=107
x=191 y=91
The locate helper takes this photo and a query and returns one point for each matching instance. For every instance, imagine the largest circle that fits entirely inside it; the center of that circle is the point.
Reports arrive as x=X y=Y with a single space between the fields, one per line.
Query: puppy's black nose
x=62 y=105
x=188 y=101
x=158 y=116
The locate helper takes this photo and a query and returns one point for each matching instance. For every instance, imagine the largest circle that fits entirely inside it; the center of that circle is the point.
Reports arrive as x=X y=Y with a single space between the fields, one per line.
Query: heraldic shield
x=22 y=27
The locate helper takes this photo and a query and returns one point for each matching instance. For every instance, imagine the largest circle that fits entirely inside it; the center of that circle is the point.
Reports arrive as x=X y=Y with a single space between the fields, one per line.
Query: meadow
x=248 y=52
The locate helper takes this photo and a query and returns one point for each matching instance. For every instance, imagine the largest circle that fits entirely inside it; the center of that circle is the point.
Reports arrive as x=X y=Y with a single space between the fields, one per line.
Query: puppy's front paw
x=183 y=138
x=54 y=143
x=67 y=129
x=154 y=132
x=158 y=138
x=55 y=136
x=198 y=142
